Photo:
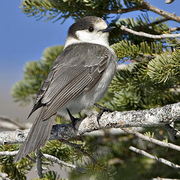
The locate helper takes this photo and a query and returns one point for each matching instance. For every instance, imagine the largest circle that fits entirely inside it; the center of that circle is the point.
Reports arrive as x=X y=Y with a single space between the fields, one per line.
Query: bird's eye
x=91 y=29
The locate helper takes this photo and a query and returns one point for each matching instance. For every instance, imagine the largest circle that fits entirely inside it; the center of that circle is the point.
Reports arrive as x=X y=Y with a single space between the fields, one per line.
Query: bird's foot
x=102 y=110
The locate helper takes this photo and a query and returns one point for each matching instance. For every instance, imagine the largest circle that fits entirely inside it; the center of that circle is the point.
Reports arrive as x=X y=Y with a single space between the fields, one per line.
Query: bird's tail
x=37 y=137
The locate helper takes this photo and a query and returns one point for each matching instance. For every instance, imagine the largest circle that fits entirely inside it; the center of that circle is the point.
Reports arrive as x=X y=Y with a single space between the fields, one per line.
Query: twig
x=152 y=140
x=8 y=153
x=169 y=1
x=164 y=161
x=161 y=12
x=39 y=163
x=78 y=147
x=143 y=34
x=56 y=160
x=143 y=118
x=9 y=123
x=143 y=5
x=174 y=29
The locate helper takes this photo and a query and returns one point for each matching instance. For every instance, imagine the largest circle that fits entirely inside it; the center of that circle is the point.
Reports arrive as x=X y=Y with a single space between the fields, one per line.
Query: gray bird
x=79 y=78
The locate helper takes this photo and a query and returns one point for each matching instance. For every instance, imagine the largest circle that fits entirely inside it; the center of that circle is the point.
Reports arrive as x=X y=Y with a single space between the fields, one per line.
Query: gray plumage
x=79 y=78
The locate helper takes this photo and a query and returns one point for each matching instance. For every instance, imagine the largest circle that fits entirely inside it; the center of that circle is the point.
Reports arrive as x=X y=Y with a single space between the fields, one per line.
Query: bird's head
x=89 y=29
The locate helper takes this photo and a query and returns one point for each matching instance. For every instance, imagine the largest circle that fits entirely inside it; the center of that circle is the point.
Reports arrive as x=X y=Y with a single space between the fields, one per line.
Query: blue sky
x=23 y=38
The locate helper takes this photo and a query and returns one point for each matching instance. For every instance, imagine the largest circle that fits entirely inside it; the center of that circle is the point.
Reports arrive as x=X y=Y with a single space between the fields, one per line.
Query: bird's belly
x=88 y=98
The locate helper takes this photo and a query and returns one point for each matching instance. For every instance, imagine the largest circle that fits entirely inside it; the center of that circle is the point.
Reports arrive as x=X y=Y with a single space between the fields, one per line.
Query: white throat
x=71 y=40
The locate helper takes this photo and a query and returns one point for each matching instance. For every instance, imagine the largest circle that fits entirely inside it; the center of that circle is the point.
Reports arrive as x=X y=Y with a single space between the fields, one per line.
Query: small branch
x=143 y=34
x=143 y=5
x=56 y=160
x=39 y=163
x=8 y=153
x=161 y=12
x=9 y=123
x=152 y=140
x=174 y=29
x=169 y=1
x=164 y=161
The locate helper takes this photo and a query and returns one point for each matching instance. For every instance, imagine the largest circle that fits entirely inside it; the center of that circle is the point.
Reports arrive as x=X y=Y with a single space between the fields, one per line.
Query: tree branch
x=144 y=118
x=161 y=12
x=78 y=147
x=152 y=140
x=143 y=34
x=56 y=160
x=11 y=124
x=143 y=5
x=162 y=160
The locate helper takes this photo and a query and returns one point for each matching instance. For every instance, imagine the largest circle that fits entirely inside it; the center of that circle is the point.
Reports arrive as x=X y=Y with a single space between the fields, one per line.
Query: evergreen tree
x=148 y=76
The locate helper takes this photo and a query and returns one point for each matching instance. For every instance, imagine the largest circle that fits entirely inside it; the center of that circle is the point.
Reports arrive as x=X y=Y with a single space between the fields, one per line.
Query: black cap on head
x=82 y=24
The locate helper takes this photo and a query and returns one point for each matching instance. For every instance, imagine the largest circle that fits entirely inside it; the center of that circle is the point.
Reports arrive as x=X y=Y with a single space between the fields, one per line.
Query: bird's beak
x=108 y=29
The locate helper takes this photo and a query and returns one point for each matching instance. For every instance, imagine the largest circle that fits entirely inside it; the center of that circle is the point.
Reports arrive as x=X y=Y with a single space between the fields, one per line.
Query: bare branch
x=161 y=12
x=56 y=160
x=169 y=1
x=152 y=140
x=164 y=161
x=11 y=124
x=8 y=153
x=174 y=29
x=143 y=5
x=143 y=34
x=144 y=118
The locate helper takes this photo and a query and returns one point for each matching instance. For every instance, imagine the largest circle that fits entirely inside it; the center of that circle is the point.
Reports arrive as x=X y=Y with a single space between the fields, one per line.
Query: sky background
x=23 y=39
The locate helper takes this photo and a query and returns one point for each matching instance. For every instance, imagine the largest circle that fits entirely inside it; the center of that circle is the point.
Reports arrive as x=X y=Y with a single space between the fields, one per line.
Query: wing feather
x=72 y=73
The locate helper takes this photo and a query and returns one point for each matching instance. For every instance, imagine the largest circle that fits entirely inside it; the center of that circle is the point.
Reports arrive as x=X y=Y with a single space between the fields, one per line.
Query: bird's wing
x=77 y=69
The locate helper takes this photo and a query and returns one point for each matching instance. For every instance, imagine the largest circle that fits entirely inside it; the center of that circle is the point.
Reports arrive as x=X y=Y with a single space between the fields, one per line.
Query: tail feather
x=37 y=137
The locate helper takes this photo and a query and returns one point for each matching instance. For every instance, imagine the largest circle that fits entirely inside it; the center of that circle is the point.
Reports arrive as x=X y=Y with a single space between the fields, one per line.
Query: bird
x=78 y=79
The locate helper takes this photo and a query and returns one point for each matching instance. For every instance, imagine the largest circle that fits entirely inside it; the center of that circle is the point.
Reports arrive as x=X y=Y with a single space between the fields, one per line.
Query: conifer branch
x=143 y=118
x=162 y=160
x=162 y=36
x=78 y=147
x=125 y=10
